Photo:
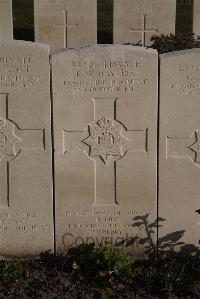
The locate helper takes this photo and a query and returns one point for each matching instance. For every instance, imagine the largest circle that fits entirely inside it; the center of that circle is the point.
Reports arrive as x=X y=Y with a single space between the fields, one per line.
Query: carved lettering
x=190 y=83
x=110 y=76
x=143 y=6
x=21 y=222
x=102 y=222
x=17 y=72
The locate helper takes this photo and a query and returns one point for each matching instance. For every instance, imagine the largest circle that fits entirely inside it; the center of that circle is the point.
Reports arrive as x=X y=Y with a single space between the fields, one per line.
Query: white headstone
x=26 y=208
x=135 y=21
x=105 y=120
x=196 y=18
x=6 y=19
x=179 y=171
x=65 y=23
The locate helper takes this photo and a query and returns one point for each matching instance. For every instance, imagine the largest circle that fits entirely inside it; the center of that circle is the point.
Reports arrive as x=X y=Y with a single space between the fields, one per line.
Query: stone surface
x=135 y=21
x=6 y=20
x=196 y=19
x=26 y=208
x=66 y=23
x=179 y=171
x=105 y=119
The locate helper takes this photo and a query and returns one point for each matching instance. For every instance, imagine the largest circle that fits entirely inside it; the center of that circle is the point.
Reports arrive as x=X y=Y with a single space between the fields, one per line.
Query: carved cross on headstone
x=13 y=140
x=66 y=25
x=185 y=147
x=106 y=141
x=143 y=30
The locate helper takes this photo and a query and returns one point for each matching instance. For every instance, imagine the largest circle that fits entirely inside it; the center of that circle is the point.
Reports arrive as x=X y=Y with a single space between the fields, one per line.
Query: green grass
x=24 y=21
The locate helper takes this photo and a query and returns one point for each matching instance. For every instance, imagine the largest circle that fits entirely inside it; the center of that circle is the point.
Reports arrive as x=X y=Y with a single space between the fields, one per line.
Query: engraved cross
x=66 y=25
x=108 y=141
x=13 y=140
x=143 y=30
x=185 y=147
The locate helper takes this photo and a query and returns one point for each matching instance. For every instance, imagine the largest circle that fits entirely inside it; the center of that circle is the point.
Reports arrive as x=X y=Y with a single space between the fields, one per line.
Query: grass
x=24 y=20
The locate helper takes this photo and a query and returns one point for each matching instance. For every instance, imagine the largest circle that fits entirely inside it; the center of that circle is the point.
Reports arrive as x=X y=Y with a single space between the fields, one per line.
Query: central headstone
x=105 y=112
x=26 y=208
x=135 y=21
x=6 y=20
x=65 y=23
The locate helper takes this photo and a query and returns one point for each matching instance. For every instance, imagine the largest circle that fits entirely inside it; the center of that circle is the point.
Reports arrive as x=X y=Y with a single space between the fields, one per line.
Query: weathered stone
x=105 y=120
x=6 y=21
x=196 y=19
x=26 y=209
x=179 y=171
x=65 y=23
x=135 y=21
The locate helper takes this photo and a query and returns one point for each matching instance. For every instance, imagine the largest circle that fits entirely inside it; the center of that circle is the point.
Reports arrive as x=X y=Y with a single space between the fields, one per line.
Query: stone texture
x=105 y=119
x=26 y=208
x=6 y=20
x=137 y=20
x=66 y=23
x=196 y=18
x=179 y=171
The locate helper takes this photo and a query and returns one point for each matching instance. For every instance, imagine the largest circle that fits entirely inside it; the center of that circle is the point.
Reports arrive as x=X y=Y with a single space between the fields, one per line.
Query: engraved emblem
x=104 y=139
x=8 y=139
x=195 y=147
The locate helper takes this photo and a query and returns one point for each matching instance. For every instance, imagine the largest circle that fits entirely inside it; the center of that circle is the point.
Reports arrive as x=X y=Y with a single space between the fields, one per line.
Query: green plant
x=10 y=270
x=168 y=43
x=173 y=278
x=102 y=264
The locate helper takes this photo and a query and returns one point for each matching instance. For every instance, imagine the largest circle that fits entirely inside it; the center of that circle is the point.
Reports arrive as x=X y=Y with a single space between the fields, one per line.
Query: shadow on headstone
x=167 y=245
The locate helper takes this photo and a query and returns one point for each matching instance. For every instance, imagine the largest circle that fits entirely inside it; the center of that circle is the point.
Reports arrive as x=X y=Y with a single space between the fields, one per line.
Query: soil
x=49 y=277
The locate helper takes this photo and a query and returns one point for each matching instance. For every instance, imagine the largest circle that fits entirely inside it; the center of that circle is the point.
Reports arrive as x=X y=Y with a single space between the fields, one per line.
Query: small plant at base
x=173 y=279
x=10 y=270
x=101 y=264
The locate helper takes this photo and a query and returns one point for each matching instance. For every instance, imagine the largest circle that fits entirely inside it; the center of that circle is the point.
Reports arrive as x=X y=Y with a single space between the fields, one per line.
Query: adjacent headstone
x=65 y=23
x=135 y=21
x=6 y=20
x=26 y=208
x=105 y=124
x=179 y=171
x=196 y=19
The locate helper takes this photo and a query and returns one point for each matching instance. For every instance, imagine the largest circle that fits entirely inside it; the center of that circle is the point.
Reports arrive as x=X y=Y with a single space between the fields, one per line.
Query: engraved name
x=21 y=222
x=189 y=83
x=109 y=76
x=17 y=72
x=141 y=6
x=102 y=221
